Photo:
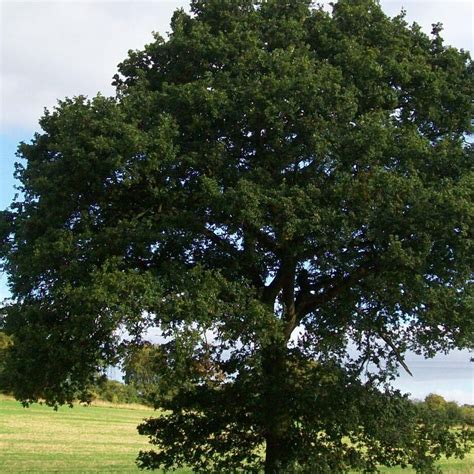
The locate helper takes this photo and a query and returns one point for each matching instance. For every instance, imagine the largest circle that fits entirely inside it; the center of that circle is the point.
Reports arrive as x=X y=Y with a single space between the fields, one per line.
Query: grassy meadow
x=86 y=439
x=99 y=438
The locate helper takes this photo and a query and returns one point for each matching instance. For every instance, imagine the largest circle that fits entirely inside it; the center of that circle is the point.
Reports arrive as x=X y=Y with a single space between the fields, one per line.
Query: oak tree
x=286 y=194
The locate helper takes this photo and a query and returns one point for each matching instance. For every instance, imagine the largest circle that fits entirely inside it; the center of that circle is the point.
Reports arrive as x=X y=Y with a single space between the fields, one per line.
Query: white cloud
x=457 y=395
x=450 y=375
x=53 y=49
x=50 y=50
x=456 y=16
x=460 y=393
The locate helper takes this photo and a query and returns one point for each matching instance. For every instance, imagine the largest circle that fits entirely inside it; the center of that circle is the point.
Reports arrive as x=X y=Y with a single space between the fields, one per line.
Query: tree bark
x=276 y=408
x=277 y=393
x=273 y=451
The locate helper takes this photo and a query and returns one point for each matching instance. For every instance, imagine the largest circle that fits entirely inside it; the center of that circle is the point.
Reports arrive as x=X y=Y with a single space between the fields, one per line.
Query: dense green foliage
x=5 y=344
x=287 y=195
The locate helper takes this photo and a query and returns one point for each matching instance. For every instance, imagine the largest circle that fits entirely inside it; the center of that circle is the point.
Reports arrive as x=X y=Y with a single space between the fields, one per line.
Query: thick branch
x=228 y=247
x=284 y=282
x=284 y=278
x=270 y=292
x=307 y=302
x=288 y=298
x=265 y=240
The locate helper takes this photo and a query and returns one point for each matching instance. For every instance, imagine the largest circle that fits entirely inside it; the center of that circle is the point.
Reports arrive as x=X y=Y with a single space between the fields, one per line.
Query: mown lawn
x=91 y=439
x=448 y=466
x=70 y=440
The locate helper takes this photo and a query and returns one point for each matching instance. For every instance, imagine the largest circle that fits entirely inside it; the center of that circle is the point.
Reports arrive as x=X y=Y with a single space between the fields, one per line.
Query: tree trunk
x=276 y=409
x=274 y=450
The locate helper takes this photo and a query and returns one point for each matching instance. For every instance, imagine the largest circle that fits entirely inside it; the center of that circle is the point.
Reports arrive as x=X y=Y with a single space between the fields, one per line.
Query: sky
x=53 y=49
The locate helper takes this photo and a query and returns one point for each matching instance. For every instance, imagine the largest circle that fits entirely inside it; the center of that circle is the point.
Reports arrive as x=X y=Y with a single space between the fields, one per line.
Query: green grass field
x=79 y=439
x=90 y=439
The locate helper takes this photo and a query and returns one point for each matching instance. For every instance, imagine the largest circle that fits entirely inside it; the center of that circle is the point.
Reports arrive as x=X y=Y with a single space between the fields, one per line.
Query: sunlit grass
x=448 y=466
x=98 y=438
x=79 y=439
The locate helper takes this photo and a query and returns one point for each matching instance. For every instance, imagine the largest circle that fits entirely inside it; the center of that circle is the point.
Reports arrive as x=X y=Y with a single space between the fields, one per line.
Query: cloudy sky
x=53 y=49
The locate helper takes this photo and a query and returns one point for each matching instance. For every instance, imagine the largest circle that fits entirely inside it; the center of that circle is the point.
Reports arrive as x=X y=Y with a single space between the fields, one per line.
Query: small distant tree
x=286 y=193
x=435 y=402
x=454 y=413
x=468 y=414
x=445 y=413
x=158 y=373
x=145 y=369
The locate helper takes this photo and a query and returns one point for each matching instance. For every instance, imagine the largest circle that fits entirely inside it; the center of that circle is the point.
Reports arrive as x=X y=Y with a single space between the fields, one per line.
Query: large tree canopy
x=287 y=195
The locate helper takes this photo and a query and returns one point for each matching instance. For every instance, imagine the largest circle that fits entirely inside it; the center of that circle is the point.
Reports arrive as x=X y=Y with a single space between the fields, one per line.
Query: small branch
x=368 y=353
x=385 y=338
x=392 y=346
x=215 y=239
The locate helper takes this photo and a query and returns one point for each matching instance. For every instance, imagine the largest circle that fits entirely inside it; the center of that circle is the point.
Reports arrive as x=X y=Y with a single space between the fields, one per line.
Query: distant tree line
x=451 y=412
x=115 y=392
x=433 y=406
x=148 y=378
x=134 y=390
